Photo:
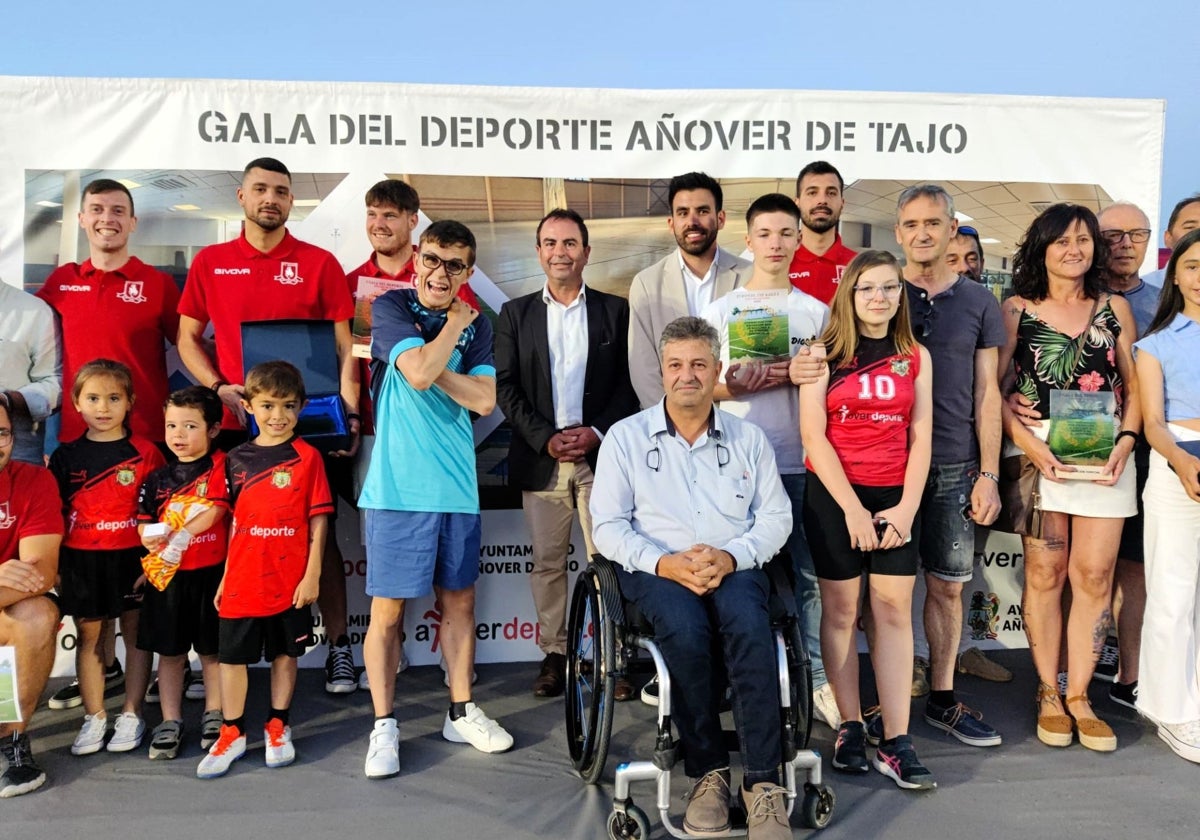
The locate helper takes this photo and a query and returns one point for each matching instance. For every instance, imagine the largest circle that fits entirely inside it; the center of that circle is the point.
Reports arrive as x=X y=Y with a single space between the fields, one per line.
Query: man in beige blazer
x=682 y=283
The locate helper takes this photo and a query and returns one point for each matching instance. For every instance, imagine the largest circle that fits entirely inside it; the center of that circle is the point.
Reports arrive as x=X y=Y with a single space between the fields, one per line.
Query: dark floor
x=1021 y=789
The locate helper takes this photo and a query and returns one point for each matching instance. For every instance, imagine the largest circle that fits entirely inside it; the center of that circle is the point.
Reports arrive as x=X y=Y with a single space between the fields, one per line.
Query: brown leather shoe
x=552 y=678
x=623 y=691
x=708 y=805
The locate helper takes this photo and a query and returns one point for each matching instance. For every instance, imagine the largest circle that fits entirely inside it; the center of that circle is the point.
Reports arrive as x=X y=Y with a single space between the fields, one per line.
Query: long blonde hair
x=841 y=336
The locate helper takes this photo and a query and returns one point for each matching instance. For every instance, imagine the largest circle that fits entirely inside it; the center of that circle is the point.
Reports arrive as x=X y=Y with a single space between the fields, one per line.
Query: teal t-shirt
x=424 y=455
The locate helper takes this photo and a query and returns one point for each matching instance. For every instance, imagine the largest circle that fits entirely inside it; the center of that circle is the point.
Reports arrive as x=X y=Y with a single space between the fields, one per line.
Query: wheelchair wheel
x=591 y=662
x=817 y=808
x=632 y=825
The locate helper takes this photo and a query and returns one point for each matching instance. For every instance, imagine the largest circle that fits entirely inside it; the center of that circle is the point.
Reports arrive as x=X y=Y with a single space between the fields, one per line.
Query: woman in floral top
x=1066 y=333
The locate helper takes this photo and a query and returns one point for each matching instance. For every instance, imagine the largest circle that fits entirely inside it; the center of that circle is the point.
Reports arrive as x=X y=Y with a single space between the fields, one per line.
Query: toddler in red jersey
x=188 y=498
x=98 y=478
x=281 y=502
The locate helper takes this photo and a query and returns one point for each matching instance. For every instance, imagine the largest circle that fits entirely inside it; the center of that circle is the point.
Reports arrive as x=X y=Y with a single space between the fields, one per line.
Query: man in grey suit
x=682 y=283
x=562 y=378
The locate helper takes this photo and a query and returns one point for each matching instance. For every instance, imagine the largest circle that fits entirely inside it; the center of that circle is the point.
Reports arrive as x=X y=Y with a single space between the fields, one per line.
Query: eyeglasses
x=1137 y=236
x=890 y=291
x=968 y=230
x=433 y=262
x=6 y=437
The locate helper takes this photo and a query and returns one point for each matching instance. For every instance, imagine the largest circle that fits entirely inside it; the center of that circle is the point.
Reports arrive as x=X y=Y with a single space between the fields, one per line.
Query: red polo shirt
x=407 y=275
x=819 y=276
x=233 y=282
x=29 y=506
x=123 y=315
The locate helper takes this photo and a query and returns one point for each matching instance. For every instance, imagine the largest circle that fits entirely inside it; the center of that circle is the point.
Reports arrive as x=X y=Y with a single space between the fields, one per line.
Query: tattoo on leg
x=1100 y=631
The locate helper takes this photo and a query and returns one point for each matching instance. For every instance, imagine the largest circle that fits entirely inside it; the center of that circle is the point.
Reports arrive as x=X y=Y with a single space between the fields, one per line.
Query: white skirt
x=1169 y=686
x=1085 y=498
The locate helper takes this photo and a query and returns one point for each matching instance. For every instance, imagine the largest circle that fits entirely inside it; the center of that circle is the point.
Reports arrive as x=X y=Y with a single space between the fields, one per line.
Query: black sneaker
x=340 y=674
x=850 y=749
x=23 y=775
x=963 y=723
x=897 y=760
x=189 y=680
x=873 y=723
x=1124 y=694
x=68 y=697
x=1109 y=662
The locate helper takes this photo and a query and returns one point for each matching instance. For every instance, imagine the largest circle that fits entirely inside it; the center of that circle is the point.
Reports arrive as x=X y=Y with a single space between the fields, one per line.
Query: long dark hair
x=1030 y=279
x=1170 y=299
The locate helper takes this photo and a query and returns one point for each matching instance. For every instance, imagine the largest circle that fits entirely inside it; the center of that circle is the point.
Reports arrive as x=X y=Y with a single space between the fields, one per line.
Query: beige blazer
x=657 y=297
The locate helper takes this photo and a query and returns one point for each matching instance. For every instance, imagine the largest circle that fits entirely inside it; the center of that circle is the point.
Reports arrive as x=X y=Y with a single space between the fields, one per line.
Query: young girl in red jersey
x=98 y=477
x=867 y=428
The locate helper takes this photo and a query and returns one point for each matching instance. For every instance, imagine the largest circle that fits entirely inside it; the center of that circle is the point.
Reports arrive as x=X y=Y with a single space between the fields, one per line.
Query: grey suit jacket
x=657 y=297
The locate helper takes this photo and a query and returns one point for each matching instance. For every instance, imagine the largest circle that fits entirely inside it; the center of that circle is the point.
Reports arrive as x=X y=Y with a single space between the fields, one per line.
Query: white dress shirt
x=699 y=290
x=655 y=494
x=567 y=332
x=30 y=358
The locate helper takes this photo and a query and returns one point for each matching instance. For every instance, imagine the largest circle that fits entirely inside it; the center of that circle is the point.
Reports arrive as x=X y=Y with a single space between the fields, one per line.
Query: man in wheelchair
x=688 y=501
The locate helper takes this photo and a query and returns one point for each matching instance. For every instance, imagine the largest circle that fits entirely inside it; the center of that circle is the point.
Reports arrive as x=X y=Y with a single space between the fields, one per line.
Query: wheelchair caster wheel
x=632 y=825
x=817 y=808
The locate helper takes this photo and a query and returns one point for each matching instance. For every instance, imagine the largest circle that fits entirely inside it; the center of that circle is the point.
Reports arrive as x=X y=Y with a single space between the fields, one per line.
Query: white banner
x=189 y=139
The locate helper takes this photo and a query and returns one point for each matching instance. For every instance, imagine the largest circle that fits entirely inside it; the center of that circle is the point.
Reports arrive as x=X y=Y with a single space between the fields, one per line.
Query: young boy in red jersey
x=182 y=616
x=281 y=502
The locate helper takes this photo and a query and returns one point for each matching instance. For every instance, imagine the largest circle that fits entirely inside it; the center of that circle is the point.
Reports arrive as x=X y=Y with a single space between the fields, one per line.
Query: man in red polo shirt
x=821 y=257
x=114 y=306
x=267 y=274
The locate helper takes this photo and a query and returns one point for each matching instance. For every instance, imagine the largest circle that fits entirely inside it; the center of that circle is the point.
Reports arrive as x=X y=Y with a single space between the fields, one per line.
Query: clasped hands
x=700 y=568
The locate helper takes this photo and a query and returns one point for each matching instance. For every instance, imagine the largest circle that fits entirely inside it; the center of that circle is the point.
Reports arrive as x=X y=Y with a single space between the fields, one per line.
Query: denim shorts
x=410 y=552
x=947 y=541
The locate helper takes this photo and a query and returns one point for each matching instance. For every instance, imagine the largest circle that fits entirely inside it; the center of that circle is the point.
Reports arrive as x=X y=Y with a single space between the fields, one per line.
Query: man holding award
x=266 y=274
x=761 y=326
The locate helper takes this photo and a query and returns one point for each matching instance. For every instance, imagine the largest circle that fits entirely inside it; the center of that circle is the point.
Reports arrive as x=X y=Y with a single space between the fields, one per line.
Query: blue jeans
x=694 y=633
x=947 y=540
x=808 y=593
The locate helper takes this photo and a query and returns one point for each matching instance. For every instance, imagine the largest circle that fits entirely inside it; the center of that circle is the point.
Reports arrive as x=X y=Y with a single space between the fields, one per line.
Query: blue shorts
x=947 y=540
x=410 y=552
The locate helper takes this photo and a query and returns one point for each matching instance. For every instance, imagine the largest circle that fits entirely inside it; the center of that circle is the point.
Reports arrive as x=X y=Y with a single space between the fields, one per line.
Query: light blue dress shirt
x=655 y=494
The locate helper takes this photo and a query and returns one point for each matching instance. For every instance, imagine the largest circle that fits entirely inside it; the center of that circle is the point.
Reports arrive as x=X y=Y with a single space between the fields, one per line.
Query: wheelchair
x=604 y=633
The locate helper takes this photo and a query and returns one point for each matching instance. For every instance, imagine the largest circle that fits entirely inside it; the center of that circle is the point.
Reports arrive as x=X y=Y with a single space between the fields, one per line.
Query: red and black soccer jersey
x=205 y=477
x=99 y=482
x=819 y=275
x=274 y=491
x=125 y=315
x=29 y=506
x=233 y=282
x=869 y=404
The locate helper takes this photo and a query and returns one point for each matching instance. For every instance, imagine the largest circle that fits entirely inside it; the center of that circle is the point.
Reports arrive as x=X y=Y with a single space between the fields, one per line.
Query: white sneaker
x=825 y=707
x=1183 y=738
x=364 y=682
x=383 y=753
x=278 y=738
x=230 y=746
x=91 y=735
x=478 y=730
x=446 y=674
x=127 y=733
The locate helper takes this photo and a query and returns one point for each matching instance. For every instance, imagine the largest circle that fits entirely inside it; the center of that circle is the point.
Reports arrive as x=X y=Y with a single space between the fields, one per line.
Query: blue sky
x=1048 y=47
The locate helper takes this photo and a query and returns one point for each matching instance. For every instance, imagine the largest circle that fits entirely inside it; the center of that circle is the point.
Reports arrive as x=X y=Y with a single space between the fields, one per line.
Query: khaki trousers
x=549 y=514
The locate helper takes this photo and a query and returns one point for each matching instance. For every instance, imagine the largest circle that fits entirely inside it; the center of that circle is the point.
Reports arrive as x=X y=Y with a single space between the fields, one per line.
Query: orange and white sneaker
x=230 y=746
x=280 y=752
